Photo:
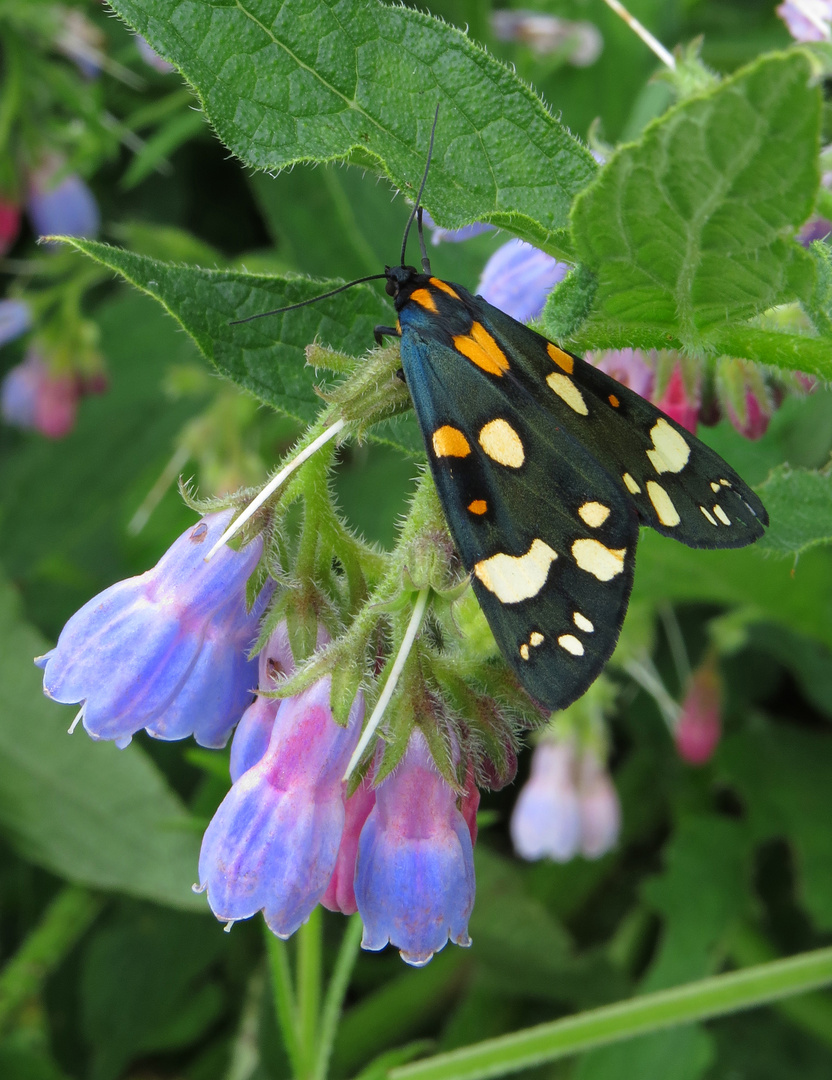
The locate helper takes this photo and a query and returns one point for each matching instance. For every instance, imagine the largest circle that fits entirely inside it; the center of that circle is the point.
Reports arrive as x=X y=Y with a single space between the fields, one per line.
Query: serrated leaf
x=799 y=502
x=91 y=813
x=688 y=228
x=357 y=81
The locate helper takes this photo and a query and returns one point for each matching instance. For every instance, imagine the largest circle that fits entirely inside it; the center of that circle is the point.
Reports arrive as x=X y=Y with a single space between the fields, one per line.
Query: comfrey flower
x=807 y=20
x=628 y=366
x=680 y=401
x=273 y=844
x=567 y=807
x=66 y=207
x=33 y=398
x=414 y=879
x=166 y=651
x=15 y=319
x=699 y=727
x=518 y=278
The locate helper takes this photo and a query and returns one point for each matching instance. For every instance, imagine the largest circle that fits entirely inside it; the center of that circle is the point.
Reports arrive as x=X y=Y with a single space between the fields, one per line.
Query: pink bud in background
x=9 y=223
x=700 y=724
x=678 y=402
x=628 y=366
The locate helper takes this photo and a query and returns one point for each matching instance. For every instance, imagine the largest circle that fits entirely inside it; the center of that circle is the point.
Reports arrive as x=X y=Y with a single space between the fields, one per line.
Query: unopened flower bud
x=699 y=726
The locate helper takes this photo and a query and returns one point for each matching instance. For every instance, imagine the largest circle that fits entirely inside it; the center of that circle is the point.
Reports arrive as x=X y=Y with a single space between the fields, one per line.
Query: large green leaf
x=354 y=80
x=688 y=228
x=799 y=502
x=86 y=811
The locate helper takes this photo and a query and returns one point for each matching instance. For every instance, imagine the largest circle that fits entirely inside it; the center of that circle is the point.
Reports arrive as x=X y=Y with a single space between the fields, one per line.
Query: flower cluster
x=569 y=806
x=169 y=652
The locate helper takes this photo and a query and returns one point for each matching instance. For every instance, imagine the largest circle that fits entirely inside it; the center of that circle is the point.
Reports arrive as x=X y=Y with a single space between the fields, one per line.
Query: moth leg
x=381 y=332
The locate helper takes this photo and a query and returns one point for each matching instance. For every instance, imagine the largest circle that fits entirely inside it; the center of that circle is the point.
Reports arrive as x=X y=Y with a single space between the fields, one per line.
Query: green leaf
x=91 y=813
x=799 y=502
x=265 y=357
x=356 y=81
x=782 y=776
x=687 y=228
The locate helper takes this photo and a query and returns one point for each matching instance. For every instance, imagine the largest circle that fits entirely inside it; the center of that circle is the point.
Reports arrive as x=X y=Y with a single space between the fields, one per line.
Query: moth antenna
x=418 y=203
x=419 y=229
x=306 y=303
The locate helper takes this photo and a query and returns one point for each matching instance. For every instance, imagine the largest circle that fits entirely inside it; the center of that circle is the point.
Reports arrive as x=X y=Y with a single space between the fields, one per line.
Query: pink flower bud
x=628 y=366
x=9 y=223
x=678 y=403
x=700 y=724
x=340 y=893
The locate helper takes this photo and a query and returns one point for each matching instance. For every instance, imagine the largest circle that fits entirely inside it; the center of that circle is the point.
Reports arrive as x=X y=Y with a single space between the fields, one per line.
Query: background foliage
x=725 y=865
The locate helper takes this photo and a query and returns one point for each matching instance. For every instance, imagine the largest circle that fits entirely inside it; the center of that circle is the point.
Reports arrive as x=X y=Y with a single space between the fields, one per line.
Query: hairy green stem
x=694 y=1001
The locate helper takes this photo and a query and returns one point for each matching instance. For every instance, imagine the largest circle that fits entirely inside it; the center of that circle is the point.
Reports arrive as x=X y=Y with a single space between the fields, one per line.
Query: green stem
x=65 y=920
x=284 y=998
x=652 y=1012
x=309 y=990
x=335 y=994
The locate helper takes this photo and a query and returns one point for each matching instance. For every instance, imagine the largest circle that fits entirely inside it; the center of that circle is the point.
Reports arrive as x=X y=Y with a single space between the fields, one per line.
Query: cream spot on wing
x=596 y=559
x=536 y=639
x=723 y=517
x=630 y=484
x=524 y=651
x=666 y=512
x=725 y=483
x=513 y=578
x=671 y=450
x=571 y=644
x=568 y=392
x=502 y=444
x=450 y=442
x=583 y=623
x=594 y=514
x=561 y=358
x=714 y=486
x=708 y=515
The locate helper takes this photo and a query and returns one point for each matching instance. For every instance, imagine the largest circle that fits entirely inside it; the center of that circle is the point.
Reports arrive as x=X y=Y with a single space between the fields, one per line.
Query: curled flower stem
x=275 y=482
x=165 y=480
x=645 y=674
x=651 y=42
x=413 y=628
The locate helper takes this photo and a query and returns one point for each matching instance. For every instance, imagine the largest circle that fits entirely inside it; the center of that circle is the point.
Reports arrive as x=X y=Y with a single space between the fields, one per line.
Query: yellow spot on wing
x=571 y=644
x=450 y=442
x=723 y=517
x=502 y=444
x=536 y=638
x=630 y=484
x=561 y=358
x=567 y=391
x=478 y=506
x=666 y=512
x=583 y=623
x=594 y=514
x=437 y=283
x=714 y=486
x=481 y=349
x=513 y=578
x=423 y=298
x=671 y=450
x=725 y=483
x=524 y=651
x=597 y=559
x=708 y=515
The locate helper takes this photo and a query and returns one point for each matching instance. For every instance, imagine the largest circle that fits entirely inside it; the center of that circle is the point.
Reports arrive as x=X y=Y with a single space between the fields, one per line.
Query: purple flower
x=566 y=807
x=66 y=208
x=166 y=651
x=414 y=880
x=31 y=397
x=628 y=366
x=518 y=278
x=273 y=843
x=807 y=20
x=251 y=739
x=15 y=319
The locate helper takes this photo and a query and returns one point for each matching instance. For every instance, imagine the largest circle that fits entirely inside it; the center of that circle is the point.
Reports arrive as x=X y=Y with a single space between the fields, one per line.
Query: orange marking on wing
x=450 y=442
x=613 y=400
x=423 y=298
x=478 y=506
x=481 y=349
x=444 y=287
x=559 y=357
